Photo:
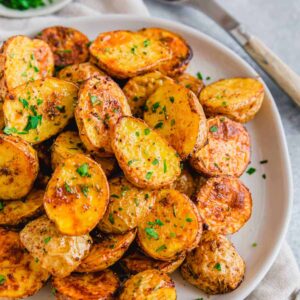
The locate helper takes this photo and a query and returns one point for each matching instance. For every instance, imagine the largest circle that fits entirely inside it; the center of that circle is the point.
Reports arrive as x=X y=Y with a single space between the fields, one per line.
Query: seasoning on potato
x=192 y=83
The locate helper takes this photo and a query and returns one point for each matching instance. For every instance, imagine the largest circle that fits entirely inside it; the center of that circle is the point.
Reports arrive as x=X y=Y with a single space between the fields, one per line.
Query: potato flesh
x=185 y=183
x=190 y=82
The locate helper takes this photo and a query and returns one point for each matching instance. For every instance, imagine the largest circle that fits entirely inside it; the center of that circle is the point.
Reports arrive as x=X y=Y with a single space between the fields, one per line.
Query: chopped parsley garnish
x=218 y=266
x=130 y=162
x=155 y=162
x=36 y=260
x=264 y=176
x=61 y=108
x=39 y=101
x=68 y=188
x=172 y=122
x=146 y=196
x=156 y=222
x=24 y=102
x=137 y=133
x=161 y=248
x=36 y=69
x=47 y=239
x=22 y=4
x=111 y=218
x=151 y=232
x=93 y=98
x=149 y=175
x=155 y=106
x=1 y=205
x=263 y=161
x=114 y=196
x=224 y=103
x=146 y=131
x=165 y=166
x=213 y=129
x=207 y=78
x=135 y=98
x=159 y=125
x=146 y=43
x=83 y=170
x=188 y=86
x=53 y=291
x=2 y=279
x=174 y=211
x=172 y=99
x=85 y=190
x=254 y=245
x=251 y=170
x=199 y=75
x=10 y=130
x=189 y=220
x=172 y=234
x=133 y=49
x=33 y=122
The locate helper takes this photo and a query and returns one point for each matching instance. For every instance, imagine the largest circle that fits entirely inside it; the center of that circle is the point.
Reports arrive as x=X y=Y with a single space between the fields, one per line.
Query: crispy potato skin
x=101 y=103
x=128 y=205
x=147 y=285
x=92 y=286
x=23 y=275
x=48 y=102
x=225 y=204
x=137 y=262
x=75 y=199
x=175 y=112
x=18 y=211
x=190 y=82
x=137 y=149
x=237 y=98
x=185 y=183
x=139 y=88
x=214 y=266
x=22 y=60
x=227 y=151
x=19 y=167
x=68 y=45
x=125 y=54
x=57 y=253
x=172 y=227
x=108 y=251
x=181 y=51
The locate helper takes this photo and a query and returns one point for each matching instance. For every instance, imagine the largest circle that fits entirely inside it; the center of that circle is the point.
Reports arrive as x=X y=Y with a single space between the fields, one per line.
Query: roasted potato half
x=125 y=54
x=19 y=167
x=145 y=157
x=39 y=109
x=22 y=60
x=225 y=204
x=149 y=284
x=176 y=114
x=92 y=286
x=108 y=251
x=57 y=253
x=237 y=98
x=172 y=227
x=101 y=103
x=227 y=151
x=139 y=88
x=214 y=266
x=19 y=211
x=181 y=51
x=69 y=46
x=128 y=205
x=108 y=164
x=77 y=195
x=190 y=82
x=21 y=274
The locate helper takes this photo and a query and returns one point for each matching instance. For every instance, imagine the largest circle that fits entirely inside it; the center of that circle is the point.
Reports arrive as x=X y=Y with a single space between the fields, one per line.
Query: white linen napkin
x=283 y=280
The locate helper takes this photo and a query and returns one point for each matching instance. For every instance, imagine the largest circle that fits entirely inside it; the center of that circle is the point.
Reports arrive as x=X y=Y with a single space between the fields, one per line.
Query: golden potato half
x=190 y=82
x=19 y=167
x=175 y=113
x=108 y=164
x=21 y=275
x=22 y=60
x=225 y=204
x=101 y=102
x=146 y=158
x=139 y=88
x=237 y=98
x=214 y=266
x=59 y=254
x=128 y=205
x=172 y=227
x=40 y=109
x=69 y=46
x=19 y=211
x=227 y=151
x=77 y=195
x=147 y=285
x=124 y=54
x=92 y=286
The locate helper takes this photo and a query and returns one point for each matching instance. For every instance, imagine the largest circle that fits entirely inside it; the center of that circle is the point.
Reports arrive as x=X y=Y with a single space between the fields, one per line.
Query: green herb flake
x=199 y=75
x=146 y=196
x=111 y=218
x=218 y=267
x=24 y=102
x=172 y=122
x=254 y=245
x=47 y=239
x=93 y=98
x=189 y=220
x=114 y=196
x=149 y=175
x=146 y=131
x=135 y=98
x=33 y=122
x=39 y=101
x=10 y=130
x=61 y=108
x=264 y=176
x=172 y=234
x=155 y=106
x=68 y=188
x=251 y=170
x=172 y=99
x=136 y=202
x=161 y=248
x=207 y=78
x=1 y=205
x=155 y=162
x=36 y=260
x=36 y=69
x=133 y=49
x=137 y=133
x=130 y=162
x=224 y=103
x=188 y=86
x=165 y=166
x=2 y=279
x=151 y=232
x=265 y=161
x=213 y=129
x=53 y=291
x=146 y=43
x=83 y=170
x=159 y=125
x=85 y=190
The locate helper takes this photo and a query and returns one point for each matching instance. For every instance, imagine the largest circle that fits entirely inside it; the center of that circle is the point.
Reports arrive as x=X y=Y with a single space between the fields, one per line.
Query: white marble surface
x=277 y=23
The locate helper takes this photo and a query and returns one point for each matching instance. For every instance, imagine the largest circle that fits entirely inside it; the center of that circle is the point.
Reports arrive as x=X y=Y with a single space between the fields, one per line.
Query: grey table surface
x=277 y=23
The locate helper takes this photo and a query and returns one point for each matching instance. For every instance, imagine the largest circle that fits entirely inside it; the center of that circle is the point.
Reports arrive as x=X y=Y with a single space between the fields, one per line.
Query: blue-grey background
x=277 y=23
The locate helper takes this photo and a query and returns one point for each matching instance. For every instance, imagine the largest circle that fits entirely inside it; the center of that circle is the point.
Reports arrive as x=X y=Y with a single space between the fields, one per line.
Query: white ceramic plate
x=49 y=8
x=272 y=197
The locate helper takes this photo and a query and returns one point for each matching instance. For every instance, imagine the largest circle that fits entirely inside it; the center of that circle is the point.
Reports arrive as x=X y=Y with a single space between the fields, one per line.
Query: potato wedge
x=139 y=88
x=19 y=211
x=149 y=284
x=175 y=112
x=237 y=98
x=190 y=82
x=108 y=164
x=106 y=252
x=185 y=183
x=57 y=253
x=19 y=167
x=93 y=286
x=181 y=51
x=146 y=158
x=225 y=204
x=40 y=109
x=77 y=195
x=21 y=275
x=137 y=262
x=227 y=151
x=172 y=227
x=101 y=103
x=22 y=60
x=125 y=54
x=79 y=73
x=69 y=46
x=214 y=266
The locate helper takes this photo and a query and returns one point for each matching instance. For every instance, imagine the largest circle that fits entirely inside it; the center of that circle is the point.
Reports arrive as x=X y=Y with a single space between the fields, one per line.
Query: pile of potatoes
x=117 y=167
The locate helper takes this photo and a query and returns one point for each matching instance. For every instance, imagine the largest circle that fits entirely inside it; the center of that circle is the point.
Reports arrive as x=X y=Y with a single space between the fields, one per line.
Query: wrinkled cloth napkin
x=282 y=282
